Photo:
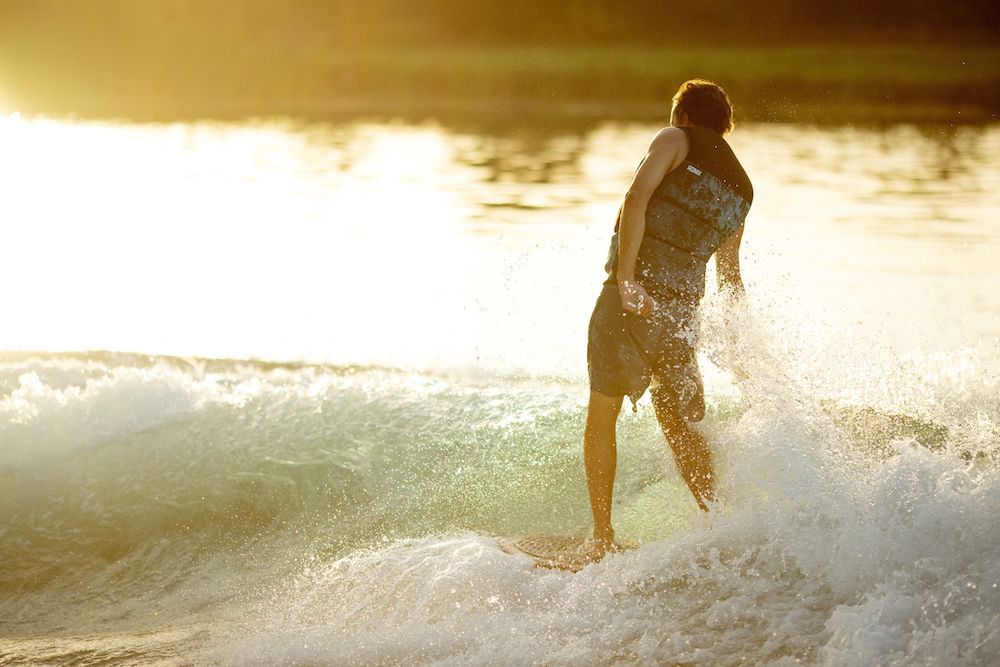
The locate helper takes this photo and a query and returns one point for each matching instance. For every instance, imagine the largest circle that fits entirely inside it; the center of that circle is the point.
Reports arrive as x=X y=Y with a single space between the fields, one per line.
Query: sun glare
x=130 y=234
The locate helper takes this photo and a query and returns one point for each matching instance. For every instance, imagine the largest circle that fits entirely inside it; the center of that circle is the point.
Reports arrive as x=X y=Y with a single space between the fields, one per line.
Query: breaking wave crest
x=349 y=515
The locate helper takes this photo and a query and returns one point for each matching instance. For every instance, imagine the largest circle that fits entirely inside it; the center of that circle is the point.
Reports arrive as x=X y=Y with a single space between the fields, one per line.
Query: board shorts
x=626 y=353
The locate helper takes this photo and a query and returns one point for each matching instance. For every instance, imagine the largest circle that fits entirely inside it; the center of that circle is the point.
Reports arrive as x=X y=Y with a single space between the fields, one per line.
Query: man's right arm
x=667 y=150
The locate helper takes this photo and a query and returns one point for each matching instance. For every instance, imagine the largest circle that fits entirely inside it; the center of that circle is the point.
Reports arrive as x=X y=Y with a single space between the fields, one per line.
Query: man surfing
x=688 y=200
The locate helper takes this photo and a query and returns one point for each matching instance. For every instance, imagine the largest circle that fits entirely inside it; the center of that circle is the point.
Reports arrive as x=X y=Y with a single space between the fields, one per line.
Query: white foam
x=822 y=551
x=818 y=556
x=41 y=422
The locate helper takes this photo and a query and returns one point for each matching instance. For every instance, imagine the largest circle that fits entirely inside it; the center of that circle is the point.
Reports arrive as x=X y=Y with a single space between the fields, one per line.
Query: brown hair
x=706 y=105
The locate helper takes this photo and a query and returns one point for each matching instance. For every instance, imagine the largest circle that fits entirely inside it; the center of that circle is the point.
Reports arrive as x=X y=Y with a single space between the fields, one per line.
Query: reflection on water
x=422 y=245
x=156 y=508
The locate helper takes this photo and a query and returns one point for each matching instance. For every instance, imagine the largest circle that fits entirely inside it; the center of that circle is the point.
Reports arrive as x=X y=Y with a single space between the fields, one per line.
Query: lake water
x=426 y=290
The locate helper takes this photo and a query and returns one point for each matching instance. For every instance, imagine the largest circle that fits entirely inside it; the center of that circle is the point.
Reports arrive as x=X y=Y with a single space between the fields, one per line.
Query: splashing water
x=308 y=514
x=185 y=510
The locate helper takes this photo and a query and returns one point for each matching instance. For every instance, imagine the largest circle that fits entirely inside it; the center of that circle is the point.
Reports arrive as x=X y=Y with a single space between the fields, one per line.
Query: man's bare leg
x=694 y=460
x=600 y=460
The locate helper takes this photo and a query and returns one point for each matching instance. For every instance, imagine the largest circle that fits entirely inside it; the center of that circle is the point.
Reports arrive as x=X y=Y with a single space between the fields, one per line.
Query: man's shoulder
x=669 y=136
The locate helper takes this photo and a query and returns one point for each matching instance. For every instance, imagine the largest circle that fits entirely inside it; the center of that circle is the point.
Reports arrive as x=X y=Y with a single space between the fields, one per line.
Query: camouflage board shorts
x=626 y=353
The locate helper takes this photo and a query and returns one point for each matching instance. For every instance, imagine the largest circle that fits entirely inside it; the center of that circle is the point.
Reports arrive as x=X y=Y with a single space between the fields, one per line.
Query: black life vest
x=694 y=210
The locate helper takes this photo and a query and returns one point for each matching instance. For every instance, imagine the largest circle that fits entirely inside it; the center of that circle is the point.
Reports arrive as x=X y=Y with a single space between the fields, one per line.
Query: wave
x=347 y=515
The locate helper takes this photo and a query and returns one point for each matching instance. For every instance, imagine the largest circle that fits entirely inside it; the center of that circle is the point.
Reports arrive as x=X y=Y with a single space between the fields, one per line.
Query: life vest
x=689 y=215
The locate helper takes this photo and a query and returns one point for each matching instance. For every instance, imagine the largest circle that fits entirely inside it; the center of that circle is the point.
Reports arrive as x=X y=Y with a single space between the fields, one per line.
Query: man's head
x=702 y=103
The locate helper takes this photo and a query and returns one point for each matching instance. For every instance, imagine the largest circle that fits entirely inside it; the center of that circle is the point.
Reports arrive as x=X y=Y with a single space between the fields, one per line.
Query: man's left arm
x=727 y=271
x=727 y=266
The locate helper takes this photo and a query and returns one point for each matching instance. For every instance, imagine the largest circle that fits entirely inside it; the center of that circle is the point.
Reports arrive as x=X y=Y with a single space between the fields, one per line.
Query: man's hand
x=634 y=298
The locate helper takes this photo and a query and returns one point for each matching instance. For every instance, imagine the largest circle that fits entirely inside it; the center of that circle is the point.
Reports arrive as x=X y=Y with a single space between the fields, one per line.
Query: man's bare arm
x=727 y=265
x=667 y=150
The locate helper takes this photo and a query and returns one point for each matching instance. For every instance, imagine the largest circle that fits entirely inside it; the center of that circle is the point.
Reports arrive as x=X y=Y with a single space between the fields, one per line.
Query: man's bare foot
x=603 y=538
x=602 y=544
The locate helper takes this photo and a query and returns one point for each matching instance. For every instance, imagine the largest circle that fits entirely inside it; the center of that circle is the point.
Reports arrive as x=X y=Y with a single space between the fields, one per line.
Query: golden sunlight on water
x=425 y=246
x=238 y=514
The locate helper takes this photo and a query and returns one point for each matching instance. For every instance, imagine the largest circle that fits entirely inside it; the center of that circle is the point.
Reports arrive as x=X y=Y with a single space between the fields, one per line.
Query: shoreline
x=825 y=85
x=504 y=113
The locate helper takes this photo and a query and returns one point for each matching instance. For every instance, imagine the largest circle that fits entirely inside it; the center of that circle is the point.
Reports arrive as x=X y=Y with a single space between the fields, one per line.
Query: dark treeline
x=437 y=22
x=166 y=56
x=652 y=22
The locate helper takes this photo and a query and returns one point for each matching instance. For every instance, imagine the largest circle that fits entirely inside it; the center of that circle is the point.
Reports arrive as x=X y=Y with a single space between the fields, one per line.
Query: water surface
x=425 y=291
x=323 y=242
